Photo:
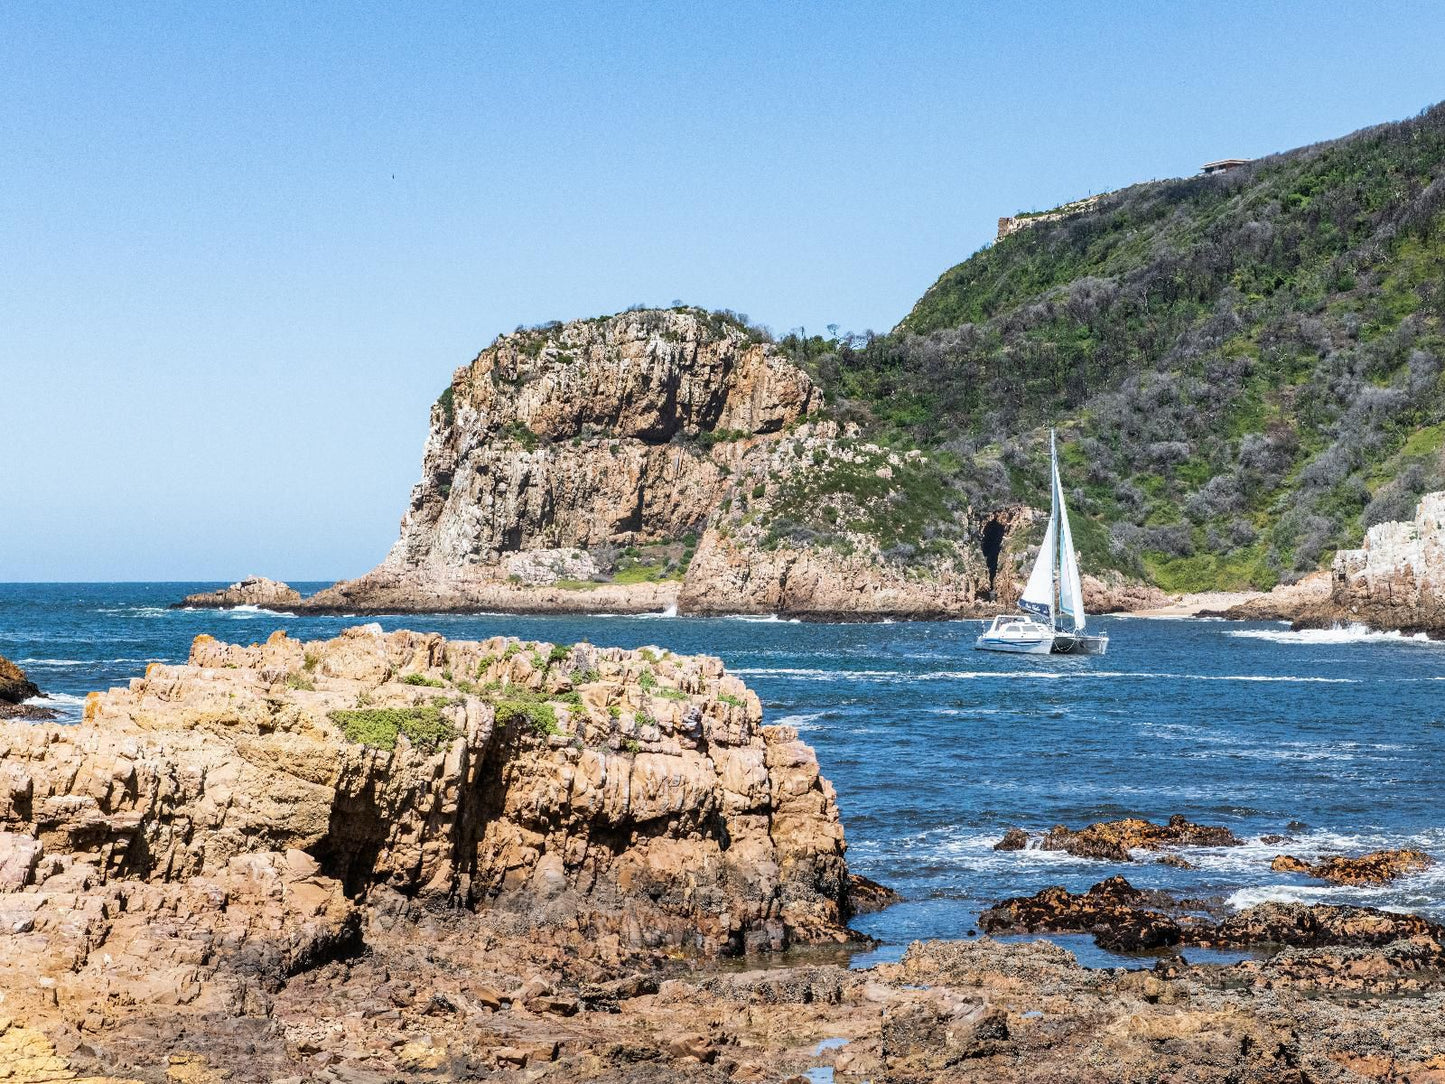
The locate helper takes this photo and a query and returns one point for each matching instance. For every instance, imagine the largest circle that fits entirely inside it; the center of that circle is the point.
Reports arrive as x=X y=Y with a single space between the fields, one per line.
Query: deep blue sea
x=935 y=748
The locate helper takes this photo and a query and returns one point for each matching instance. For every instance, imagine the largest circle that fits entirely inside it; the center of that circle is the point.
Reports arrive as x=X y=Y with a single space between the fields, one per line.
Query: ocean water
x=935 y=748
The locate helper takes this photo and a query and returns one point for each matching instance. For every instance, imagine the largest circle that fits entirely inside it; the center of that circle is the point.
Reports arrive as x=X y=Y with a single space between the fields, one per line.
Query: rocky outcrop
x=1375 y=868
x=1113 y=840
x=252 y=591
x=1284 y=602
x=1395 y=581
x=638 y=793
x=15 y=687
x=1116 y=594
x=220 y=826
x=1113 y=911
x=1123 y=918
x=565 y=465
x=15 y=690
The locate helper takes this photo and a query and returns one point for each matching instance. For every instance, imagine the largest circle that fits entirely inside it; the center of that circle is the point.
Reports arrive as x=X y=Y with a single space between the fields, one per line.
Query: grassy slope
x=1245 y=369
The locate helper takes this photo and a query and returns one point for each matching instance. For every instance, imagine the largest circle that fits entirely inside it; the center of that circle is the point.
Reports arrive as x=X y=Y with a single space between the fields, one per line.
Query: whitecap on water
x=803 y=721
x=1348 y=634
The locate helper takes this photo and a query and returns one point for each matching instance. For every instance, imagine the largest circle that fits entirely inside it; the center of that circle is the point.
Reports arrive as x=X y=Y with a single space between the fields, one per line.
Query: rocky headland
x=1394 y=582
x=665 y=458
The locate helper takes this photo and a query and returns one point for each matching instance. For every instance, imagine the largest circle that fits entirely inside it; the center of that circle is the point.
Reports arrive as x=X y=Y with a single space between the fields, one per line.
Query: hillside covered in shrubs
x=1245 y=369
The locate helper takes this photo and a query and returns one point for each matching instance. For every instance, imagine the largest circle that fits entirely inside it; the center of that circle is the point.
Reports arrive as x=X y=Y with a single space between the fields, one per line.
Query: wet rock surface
x=15 y=689
x=14 y=685
x=1375 y=868
x=1113 y=840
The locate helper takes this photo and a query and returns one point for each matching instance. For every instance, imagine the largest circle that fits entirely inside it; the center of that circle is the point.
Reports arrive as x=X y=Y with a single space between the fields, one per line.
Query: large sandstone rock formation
x=640 y=795
x=393 y=857
x=559 y=448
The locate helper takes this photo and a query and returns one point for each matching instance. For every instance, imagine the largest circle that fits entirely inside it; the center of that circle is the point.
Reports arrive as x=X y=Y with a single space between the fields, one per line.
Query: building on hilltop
x=1224 y=165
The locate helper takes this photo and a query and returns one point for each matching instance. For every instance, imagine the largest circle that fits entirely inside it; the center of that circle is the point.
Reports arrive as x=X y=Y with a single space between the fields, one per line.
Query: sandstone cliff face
x=557 y=447
x=1395 y=581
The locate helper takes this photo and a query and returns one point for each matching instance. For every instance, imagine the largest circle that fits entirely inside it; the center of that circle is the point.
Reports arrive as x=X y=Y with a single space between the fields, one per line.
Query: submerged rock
x=1375 y=868
x=252 y=591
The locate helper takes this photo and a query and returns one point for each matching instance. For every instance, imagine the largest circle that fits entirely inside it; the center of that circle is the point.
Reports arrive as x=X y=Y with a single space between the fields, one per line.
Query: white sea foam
x=764 y=619
x=57 y=700
x=1280 y=893
x=1349 y=634
x=812 y=674
x=803 y=721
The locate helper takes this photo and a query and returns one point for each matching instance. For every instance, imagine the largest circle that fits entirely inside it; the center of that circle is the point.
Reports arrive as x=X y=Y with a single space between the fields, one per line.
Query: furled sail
x=1071 y=594
x=1038 y=596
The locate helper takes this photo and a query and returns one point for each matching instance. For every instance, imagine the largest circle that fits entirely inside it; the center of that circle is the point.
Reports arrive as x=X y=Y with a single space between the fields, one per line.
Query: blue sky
x=246 y=244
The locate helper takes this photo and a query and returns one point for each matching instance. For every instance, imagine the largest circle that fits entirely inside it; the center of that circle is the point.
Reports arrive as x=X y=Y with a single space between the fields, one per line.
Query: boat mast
x=1056 y=600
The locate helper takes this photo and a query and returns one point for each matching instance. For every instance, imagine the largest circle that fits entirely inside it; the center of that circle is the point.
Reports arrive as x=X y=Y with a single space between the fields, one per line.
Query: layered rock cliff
x=669 y=457
x=1395 y=581
x=636 y=793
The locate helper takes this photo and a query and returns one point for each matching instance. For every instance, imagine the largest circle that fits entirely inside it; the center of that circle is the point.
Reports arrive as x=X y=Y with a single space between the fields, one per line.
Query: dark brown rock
x=1113 y=840
x=14 y=685
x=866 y=895
x=1375 y=868
x=1112 y=911
x=1320 y=924
x=1015 y=839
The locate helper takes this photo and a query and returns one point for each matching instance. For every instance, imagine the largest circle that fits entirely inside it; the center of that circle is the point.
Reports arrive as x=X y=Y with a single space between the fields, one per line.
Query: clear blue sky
x=246 y=244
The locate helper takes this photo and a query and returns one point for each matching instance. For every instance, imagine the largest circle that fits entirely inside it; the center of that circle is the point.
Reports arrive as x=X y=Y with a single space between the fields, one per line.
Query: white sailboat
x=1051 y=620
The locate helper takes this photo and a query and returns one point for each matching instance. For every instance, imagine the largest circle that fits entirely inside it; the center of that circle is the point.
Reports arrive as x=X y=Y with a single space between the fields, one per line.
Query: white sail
x=1071 y=594
x=1038 y=596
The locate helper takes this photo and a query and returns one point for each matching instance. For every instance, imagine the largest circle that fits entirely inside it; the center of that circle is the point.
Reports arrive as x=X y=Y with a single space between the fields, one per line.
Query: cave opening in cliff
x=992 y=544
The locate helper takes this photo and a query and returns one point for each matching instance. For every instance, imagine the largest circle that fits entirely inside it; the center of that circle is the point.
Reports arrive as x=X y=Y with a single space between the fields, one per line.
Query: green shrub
x=422 y=679
x=378 y=728
x=300 y=681
x=730 y=700
x=540 y=717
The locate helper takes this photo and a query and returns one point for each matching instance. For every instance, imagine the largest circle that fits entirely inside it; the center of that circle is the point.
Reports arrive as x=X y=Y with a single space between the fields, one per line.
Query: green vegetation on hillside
x=1245 y=369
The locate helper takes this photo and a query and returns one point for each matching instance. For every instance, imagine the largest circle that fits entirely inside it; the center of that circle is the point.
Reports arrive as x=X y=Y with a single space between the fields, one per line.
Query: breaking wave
x=1349 y=634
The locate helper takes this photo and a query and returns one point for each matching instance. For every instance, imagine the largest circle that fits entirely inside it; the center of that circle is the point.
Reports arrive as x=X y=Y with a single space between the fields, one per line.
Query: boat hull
x=1014 y=646
x=1068 y=644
